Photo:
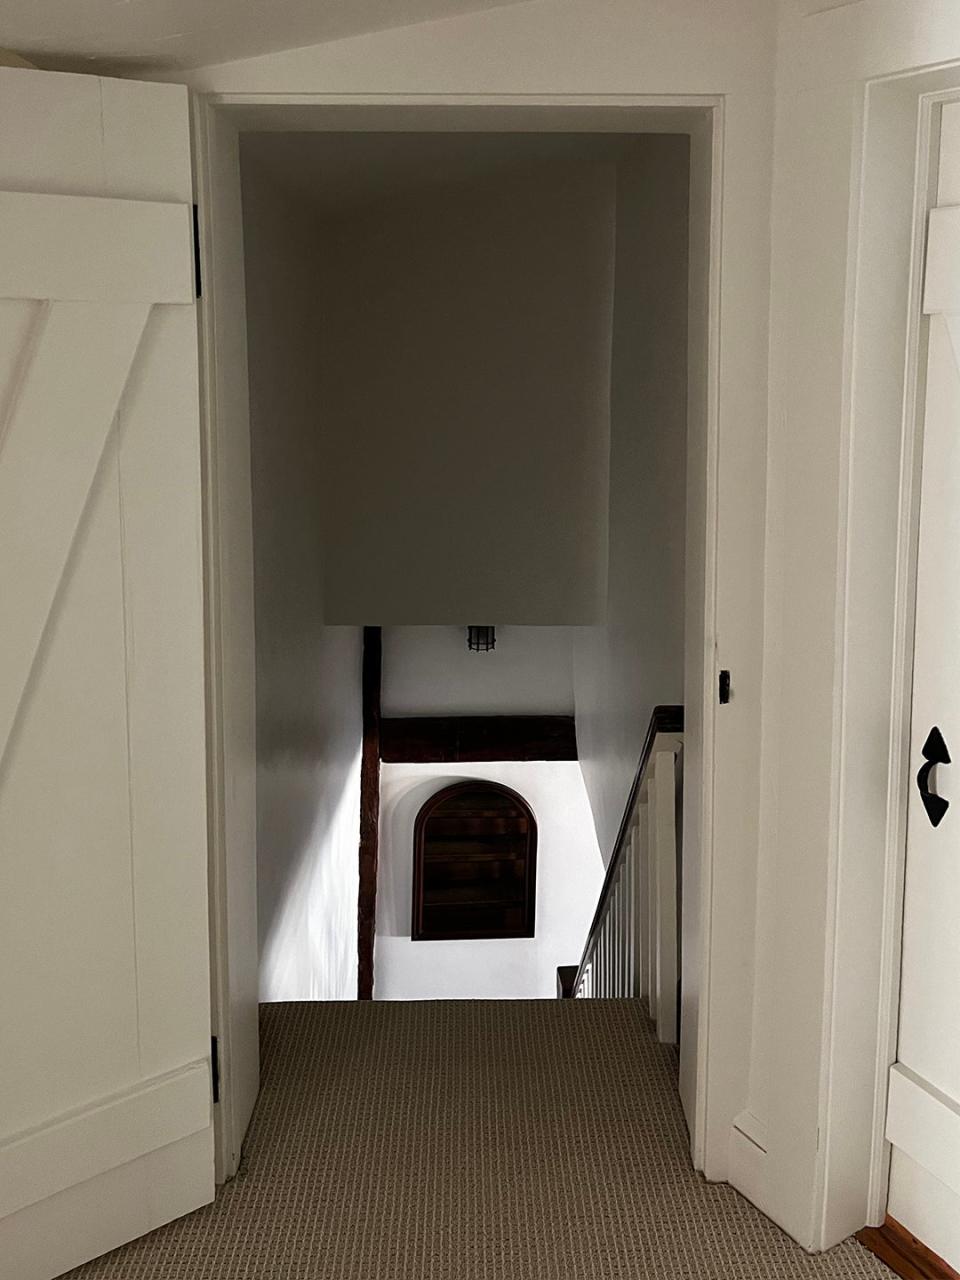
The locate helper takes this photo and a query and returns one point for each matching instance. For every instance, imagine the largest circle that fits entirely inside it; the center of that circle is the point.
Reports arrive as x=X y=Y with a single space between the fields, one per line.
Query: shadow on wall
x=488 y=305
x=395 y=888
x=635 y=660
x=308 y=895
x=307 y=673
x=308 y=820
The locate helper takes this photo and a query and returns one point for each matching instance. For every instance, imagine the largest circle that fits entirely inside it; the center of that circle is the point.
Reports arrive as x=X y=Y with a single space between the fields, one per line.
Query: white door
x=923 y=1115
x=105 y=1090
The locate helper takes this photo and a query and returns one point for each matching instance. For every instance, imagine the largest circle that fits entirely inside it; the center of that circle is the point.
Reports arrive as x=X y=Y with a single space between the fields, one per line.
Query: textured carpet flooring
x=470 y=1141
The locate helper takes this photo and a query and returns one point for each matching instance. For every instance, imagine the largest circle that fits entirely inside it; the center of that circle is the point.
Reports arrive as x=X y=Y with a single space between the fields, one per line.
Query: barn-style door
x=105 y=1102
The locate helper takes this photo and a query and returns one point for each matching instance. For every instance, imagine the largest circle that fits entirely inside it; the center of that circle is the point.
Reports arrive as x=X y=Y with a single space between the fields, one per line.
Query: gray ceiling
x=165 y=35
x=339 y=171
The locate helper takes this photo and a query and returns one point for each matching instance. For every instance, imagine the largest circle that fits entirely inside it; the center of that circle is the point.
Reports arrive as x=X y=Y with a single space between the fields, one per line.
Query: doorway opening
x=479 y=391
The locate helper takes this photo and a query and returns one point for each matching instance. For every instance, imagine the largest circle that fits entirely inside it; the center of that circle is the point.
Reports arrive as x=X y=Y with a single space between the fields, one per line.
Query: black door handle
x=934 y=752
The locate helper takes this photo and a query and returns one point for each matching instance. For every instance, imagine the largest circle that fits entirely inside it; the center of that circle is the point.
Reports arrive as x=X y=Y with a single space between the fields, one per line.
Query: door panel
x=929 y=1040
x=93 y=249
x=162 y=553
x=64 y=821
x=923 y=1113
x=105 y=1102
x=69 y=379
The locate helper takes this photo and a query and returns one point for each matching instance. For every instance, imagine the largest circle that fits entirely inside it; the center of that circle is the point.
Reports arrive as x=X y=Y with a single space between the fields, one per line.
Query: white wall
x=430 y=671
x=614 y=47
x=465 y=355
x=308 y=825
x=634 y=660
x=814 y=873
x=308 y=674
x=569 y=877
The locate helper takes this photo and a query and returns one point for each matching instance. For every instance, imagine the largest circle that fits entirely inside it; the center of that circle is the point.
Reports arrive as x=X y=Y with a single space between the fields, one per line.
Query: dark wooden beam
x=455 y=739
x=369 y=810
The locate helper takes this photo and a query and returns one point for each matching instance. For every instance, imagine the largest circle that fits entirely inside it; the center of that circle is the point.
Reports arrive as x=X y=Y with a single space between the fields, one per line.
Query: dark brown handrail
x=667 y=719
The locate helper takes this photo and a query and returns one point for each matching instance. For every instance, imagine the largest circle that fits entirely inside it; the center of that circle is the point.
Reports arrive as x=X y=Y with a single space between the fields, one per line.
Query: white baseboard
x=107 y=1132
x=924 y=1123
x=53 y=1235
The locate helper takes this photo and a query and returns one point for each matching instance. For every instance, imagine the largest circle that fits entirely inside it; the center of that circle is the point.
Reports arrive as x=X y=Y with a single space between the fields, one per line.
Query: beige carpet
x=470 y=1141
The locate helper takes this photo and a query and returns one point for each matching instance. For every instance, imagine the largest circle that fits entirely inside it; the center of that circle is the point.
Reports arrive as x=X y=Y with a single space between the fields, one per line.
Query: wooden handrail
x=664 y=719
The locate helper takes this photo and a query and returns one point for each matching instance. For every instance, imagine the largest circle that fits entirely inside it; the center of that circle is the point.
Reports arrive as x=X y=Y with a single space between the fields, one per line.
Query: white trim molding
x=110 y=1131
x=925 y=1124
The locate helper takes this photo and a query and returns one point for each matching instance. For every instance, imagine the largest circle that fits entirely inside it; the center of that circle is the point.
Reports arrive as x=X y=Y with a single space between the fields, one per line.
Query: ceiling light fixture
x=481 y=639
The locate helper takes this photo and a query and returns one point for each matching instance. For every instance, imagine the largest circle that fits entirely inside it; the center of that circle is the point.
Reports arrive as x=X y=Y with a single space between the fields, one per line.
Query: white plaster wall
x=706 y=47
x=569 y=877
x=308 y=674
x=430 y=671
x=308 y=830
x=634 y=659
x=464 y=357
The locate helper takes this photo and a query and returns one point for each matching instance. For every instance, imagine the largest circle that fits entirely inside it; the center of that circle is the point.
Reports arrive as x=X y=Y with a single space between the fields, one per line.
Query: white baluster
x=652 y=949
x=631 y=918
x=640 y=897
x=638 y=933
x=608 y=951
x=615 y=934
x=664 y=785
x=625 y=922
x=643 y=892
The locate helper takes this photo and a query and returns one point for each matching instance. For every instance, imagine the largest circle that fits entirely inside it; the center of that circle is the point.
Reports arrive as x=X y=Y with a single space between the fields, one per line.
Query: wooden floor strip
x=904 y=1253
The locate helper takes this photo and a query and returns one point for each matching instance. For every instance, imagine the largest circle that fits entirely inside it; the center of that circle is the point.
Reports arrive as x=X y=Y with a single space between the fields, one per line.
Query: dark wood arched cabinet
x=474 y=864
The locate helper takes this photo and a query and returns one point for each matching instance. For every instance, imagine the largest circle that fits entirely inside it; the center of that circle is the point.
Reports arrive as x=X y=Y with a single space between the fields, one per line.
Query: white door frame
x=883 y=380
x=218 y=119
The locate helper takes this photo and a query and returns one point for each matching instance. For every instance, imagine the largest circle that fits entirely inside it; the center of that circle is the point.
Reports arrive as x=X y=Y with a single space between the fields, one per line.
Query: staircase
x=633 y=948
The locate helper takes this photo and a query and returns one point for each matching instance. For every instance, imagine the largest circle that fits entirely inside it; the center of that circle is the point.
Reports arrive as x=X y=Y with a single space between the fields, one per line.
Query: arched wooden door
x=474 y=864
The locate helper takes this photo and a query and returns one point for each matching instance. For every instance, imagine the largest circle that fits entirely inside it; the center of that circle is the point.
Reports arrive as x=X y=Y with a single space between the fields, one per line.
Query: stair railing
x=633 y=947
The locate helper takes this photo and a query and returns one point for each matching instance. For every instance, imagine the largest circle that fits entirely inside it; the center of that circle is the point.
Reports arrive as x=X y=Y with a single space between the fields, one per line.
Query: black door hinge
x=215 y=1067
x=724 y=687
x=197 y=284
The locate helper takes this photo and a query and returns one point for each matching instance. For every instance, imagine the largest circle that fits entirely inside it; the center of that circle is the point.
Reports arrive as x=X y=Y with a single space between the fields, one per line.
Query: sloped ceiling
x=809 y=8
x=167 y=35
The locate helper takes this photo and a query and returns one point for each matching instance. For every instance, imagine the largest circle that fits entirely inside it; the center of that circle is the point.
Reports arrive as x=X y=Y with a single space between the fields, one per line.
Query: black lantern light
x=481 y=639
